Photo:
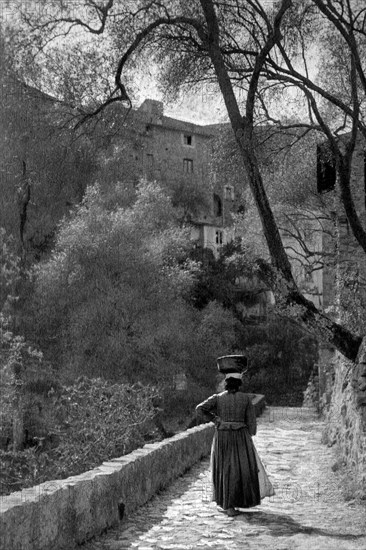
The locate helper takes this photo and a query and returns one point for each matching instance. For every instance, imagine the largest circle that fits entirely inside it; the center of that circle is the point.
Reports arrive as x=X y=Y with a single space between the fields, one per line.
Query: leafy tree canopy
x=112 y=299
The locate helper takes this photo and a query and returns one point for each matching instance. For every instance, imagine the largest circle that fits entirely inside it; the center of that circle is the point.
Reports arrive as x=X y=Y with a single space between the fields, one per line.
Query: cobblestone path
x=307 y=512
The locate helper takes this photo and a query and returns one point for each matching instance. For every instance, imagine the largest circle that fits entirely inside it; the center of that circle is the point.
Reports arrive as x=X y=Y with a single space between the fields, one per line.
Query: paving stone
x=307 y=511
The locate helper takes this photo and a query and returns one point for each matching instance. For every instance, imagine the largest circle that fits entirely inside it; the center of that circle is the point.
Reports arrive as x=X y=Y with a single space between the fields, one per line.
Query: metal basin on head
x=232 y=363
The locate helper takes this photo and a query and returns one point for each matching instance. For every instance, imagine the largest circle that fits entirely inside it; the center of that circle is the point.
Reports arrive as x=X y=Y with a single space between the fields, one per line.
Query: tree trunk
x=18 y=419
x=279 y=277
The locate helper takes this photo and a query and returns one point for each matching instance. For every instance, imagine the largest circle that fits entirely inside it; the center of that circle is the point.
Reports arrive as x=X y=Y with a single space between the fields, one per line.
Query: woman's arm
x=208 y=408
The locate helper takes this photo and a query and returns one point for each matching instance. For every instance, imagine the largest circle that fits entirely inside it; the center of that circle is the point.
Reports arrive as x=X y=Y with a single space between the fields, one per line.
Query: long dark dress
x=234 y=462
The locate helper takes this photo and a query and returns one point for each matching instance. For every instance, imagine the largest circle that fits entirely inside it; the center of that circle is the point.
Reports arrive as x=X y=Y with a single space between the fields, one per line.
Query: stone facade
x=176 y=154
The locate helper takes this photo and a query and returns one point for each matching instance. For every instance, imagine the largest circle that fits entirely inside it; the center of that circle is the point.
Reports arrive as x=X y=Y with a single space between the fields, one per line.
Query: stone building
x=176 y=153
x=339 y=240
x=341 y=383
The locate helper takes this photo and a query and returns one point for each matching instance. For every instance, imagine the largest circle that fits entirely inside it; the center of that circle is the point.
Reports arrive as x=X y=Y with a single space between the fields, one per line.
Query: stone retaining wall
x=62 y=514
x=343 y=401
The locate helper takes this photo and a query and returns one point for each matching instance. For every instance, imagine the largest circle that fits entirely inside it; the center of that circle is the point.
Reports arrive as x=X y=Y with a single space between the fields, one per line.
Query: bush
x=110 y=300
x=21 y=366
x=94 y=421
x=100 y=420
x=215 y=334
x=9 y=268
x=281 y=359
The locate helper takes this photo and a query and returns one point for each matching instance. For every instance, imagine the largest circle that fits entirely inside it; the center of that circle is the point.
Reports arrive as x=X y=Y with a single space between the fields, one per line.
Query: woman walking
x=239 y=479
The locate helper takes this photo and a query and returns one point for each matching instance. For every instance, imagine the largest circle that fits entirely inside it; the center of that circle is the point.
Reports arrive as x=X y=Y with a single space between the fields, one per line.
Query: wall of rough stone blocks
x=163 y=159
x=342 y=386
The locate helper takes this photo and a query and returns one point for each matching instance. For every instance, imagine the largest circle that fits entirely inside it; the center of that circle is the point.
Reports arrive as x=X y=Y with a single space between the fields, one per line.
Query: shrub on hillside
x=94 y=421
x=99 y=420
x=21 y=368
x=216 y=334
x=113 y=299
x=110 y=300
x=9 y=268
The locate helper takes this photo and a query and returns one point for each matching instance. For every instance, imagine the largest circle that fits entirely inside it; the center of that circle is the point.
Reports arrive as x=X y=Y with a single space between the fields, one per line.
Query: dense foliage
x=281 y=359
x=109 y=304
x=92 y=421
x=9 y=268
x=112 y=299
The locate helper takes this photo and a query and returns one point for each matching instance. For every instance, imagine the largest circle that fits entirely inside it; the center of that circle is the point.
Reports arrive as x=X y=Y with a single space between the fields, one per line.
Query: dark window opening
x=219 y=237
x=326 y=170
x=187 y=166
x=150 y=161
x=229 y=192
x=187 y=139
x=217 y=206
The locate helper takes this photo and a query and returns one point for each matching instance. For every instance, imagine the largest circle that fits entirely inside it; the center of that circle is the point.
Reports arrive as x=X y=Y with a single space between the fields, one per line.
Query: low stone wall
x=345 y=415
x=62 y=514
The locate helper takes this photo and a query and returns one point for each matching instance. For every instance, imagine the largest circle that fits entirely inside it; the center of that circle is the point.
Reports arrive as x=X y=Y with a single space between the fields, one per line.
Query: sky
x=202 y=107
x=199 y=108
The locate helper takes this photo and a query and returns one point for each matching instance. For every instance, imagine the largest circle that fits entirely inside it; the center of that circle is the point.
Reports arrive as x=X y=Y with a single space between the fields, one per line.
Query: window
x=188 y=166
x=149 y=161
x=219 y=237
x=326 y=171
x=217 y=206
x=188 y=140
x=229 y=192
